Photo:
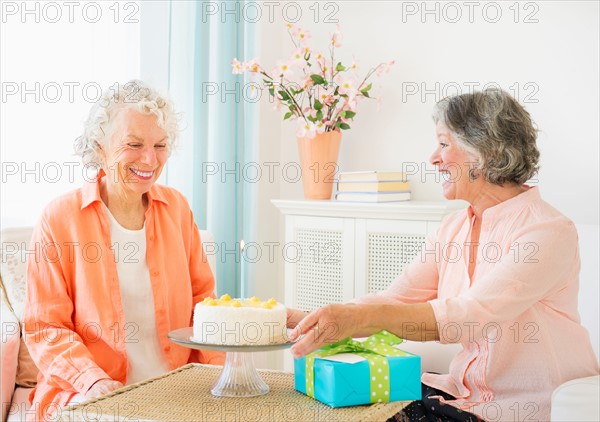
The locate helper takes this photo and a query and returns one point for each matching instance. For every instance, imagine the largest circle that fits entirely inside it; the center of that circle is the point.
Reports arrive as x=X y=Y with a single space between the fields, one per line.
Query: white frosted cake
x=239 y=322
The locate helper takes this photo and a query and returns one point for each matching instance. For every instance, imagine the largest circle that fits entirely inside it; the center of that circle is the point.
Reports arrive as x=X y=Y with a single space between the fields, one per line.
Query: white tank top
x=141 y=337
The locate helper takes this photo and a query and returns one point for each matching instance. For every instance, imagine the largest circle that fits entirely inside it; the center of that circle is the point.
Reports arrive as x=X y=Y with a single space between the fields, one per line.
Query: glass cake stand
x=239 y=377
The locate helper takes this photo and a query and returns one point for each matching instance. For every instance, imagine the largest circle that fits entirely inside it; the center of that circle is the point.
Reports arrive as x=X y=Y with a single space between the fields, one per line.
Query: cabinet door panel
x=383 y=249
x=320 y=269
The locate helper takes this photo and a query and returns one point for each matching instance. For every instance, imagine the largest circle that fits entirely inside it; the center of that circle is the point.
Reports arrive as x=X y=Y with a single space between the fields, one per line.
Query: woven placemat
x=184 y=395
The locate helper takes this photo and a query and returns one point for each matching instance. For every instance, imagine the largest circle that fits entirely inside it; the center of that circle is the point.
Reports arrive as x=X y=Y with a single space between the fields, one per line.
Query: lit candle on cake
x=242 y=272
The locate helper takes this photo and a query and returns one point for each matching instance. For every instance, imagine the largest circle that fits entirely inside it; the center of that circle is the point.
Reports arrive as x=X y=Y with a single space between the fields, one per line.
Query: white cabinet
x=335 y=251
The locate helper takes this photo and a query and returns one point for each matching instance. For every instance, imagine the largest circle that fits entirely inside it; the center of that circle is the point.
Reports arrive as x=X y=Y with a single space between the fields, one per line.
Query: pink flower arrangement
x=325 y=96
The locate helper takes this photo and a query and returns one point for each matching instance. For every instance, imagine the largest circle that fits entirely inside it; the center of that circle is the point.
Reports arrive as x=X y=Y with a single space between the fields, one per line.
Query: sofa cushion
x=13 y=265
x=9 y=352
x=577 y=400
x=27 y=372
x=589 y=289
x=13 y=269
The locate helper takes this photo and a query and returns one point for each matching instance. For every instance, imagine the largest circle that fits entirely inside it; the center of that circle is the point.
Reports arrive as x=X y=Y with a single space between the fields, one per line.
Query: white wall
x=589 y=288
x=55 y=59
x=551 y=66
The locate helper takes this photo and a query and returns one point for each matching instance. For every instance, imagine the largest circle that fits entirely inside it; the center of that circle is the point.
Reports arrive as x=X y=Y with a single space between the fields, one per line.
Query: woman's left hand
x=294 y=316
x=327 y=325
x=101 y=387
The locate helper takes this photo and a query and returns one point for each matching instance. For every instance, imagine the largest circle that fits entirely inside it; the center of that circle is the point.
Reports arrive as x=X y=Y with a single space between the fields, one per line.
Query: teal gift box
x=385 y=374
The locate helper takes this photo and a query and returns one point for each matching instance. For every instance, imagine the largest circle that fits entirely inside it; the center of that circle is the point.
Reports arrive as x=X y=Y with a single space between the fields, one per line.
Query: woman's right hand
x=102 y=387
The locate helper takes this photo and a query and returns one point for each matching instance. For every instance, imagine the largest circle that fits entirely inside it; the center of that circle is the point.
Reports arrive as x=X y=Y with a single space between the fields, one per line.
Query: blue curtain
x=221 y=138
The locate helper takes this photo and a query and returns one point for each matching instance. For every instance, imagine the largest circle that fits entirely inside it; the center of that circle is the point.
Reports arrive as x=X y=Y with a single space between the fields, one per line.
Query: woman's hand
x=294 y=316
x=336 y=322
x=327 y=325
x=102 y=387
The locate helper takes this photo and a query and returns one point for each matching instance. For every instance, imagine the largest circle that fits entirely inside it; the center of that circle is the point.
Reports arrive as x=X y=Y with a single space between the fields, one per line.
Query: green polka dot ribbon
x=375 y=349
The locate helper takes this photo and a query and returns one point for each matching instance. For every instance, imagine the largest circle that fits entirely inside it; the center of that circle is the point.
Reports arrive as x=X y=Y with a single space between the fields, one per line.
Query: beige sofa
x=574 y=400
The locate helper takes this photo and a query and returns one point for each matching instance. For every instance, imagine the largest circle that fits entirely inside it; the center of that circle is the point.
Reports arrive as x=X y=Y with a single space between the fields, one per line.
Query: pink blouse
x=516 y=318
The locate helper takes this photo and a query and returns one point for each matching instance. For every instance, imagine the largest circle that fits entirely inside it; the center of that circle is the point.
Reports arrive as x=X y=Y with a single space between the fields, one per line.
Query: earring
x=473 y=174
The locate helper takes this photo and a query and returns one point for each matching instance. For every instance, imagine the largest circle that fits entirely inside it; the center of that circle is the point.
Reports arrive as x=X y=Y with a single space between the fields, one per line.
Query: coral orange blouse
x=74 y=324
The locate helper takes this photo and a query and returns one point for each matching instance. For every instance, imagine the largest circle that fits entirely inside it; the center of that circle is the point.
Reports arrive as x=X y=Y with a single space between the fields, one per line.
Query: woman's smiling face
x=136 y=153
x=453 y=163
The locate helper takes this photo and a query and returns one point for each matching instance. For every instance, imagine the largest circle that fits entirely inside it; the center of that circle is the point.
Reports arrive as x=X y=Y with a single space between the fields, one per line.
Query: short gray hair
x=494 y=128
x=133 y=94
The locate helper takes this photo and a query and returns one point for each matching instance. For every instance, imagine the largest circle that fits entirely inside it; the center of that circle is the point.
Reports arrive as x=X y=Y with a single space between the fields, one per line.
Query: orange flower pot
x=318 y=161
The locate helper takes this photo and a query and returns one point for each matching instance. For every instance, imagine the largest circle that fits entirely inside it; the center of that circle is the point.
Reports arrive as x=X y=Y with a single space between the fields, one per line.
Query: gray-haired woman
x=125 y=262
x=505 y=286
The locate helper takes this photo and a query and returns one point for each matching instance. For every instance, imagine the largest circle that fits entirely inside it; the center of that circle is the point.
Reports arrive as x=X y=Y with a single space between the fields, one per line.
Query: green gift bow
x=375 y=349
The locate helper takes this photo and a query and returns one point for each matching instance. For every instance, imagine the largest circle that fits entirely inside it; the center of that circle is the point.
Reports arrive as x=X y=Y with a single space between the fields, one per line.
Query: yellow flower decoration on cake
x=253 y=302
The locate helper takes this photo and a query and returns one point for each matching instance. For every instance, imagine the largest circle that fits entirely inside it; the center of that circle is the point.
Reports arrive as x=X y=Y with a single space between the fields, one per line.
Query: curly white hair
x=135 y=94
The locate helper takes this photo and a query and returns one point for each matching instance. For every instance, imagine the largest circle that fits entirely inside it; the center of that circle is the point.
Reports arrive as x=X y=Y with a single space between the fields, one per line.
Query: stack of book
x=372 y=186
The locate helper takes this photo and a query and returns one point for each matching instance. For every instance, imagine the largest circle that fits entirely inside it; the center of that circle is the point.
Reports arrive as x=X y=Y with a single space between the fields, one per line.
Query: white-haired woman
x=118 y=263
x=501 y=277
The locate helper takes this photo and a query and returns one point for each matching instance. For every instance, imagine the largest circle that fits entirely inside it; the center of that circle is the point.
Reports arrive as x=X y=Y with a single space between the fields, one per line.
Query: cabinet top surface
x=417 y=210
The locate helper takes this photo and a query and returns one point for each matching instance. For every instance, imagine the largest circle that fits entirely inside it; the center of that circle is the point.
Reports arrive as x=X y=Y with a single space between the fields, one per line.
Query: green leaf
x=284 y=95
x=365 y=93
x=318 y=105
x=340 y=67
x=272 y=92
x=319 y=115
x=344 y=126
x=368 y=88
x=318 y=79
x=348 y=114
x=311 y=118
x=288 y=115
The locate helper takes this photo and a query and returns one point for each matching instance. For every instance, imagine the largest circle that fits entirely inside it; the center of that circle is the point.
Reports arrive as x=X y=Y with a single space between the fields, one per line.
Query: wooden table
x=184 y=395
